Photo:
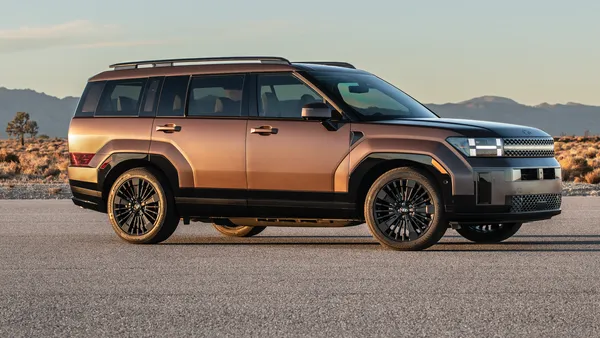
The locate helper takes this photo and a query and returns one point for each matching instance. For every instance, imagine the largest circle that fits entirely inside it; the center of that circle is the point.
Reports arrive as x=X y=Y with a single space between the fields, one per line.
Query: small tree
x=20 y=126
x=31 y=128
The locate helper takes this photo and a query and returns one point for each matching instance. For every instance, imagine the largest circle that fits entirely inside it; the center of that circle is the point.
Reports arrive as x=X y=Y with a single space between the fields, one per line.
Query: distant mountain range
x=555 y=119
x=53 y=114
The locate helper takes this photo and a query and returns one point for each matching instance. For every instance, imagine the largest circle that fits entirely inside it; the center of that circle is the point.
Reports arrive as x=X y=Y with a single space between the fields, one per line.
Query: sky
x=438 y=51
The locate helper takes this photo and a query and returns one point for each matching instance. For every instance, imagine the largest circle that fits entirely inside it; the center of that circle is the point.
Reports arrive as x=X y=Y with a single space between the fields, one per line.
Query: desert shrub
x=8 y=157
x=33 y=149
x=9 y=170
x=593 y=177
x=591 y=152
x=51 y=172
x=43 y=137
x=573 y=167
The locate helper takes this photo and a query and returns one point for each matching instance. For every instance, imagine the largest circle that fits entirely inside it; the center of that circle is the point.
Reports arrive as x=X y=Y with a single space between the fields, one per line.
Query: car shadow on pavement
x=274 y=240
x=558 y=243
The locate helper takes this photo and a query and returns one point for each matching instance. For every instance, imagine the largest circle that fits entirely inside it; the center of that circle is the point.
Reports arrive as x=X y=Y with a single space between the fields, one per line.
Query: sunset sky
x=440 y=51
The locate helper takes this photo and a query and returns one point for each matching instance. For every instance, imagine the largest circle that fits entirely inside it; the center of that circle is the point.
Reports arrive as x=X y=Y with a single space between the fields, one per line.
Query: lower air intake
x=541 y=202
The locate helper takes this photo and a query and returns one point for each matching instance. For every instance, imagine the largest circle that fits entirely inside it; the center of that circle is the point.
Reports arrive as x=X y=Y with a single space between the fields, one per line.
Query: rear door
x=200 y=128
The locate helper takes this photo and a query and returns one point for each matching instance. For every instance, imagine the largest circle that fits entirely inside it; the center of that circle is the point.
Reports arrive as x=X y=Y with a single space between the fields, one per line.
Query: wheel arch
x=376 y=164
x=118 y=163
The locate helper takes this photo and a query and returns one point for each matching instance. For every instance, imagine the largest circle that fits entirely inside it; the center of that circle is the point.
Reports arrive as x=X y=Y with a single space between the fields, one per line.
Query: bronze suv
x=250 y=142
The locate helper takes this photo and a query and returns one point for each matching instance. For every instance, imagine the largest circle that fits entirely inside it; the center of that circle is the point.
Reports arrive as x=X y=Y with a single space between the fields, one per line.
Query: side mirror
x=316 y=111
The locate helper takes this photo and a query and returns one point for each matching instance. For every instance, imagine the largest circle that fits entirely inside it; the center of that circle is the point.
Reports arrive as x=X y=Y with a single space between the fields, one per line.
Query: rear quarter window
x=89 y=100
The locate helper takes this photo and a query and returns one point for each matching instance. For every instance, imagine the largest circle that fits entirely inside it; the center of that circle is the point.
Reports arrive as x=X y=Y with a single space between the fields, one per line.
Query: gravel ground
x=580 y=189
x=26 y=191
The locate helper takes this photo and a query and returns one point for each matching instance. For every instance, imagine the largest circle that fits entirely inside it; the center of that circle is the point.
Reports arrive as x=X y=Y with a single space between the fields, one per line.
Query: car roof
x=224 y=65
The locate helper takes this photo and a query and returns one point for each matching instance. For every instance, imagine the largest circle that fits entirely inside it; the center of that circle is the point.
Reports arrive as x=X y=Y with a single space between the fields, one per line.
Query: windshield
x=371 y=97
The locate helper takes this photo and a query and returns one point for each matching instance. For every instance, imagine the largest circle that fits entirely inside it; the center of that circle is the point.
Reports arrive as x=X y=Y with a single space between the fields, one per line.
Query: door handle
x=264 y=130
x=168 y=128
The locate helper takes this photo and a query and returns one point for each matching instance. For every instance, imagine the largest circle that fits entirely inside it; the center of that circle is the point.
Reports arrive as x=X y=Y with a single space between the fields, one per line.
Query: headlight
x=478 y=147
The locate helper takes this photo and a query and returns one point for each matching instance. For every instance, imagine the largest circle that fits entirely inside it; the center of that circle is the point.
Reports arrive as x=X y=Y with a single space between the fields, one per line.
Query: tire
x=404 y=210
x=489 y=233
x=228 y=228
x=141 y=208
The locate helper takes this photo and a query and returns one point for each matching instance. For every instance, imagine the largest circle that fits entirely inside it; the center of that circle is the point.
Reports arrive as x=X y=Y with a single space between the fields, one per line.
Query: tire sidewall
x=435 y=231
x=163 y=205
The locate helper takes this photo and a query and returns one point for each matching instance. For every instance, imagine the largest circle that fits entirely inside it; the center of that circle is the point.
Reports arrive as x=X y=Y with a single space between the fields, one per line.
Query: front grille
x=529 y=147
x=541 y=202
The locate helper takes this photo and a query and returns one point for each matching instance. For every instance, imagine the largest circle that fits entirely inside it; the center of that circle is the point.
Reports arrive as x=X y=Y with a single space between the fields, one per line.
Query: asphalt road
x=64 y=273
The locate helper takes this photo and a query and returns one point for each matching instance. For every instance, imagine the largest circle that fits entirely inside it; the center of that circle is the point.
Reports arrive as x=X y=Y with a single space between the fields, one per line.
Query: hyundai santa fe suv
x=250 y=142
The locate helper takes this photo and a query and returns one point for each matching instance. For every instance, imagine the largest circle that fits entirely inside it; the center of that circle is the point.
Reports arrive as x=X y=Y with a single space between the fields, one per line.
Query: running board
x=290 y=222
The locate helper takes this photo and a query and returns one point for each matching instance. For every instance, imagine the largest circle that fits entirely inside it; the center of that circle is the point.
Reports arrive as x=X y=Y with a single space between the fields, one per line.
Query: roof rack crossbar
x=171 y=62
x=331 y=63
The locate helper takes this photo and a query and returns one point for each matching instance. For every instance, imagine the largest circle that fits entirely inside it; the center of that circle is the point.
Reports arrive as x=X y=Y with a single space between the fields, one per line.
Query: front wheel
x=489 y=233
x=404 y=210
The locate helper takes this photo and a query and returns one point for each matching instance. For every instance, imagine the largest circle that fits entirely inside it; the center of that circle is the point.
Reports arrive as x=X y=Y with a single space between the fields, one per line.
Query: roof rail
x=330 y=63
x=171 y=62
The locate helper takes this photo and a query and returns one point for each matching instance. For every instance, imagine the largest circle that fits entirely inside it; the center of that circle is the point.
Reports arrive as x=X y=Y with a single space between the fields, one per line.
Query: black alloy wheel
x=404 y=210
x=141 y=208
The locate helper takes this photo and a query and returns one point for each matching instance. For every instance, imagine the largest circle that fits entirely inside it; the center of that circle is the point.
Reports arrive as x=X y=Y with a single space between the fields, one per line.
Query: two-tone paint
x=224 y=168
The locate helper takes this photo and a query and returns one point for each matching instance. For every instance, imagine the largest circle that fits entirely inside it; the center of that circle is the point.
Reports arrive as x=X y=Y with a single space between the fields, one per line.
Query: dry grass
x=47 y=160
x=37 y=161
x=579 y=158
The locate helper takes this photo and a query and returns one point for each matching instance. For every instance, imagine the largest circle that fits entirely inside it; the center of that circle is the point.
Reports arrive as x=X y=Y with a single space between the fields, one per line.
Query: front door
x=291 y=162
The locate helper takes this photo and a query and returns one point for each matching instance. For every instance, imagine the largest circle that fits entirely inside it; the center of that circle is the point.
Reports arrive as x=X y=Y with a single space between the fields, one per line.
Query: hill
x=570 y=118
x=53 y=114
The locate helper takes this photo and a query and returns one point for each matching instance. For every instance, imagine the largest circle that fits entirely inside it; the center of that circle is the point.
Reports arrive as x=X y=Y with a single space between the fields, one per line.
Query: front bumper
x=509 y=190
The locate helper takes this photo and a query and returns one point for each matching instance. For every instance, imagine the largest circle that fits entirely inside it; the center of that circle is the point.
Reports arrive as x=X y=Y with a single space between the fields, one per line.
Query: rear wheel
x=404 y=210
x=489 y=233
x=228 y=228
x=141 y=209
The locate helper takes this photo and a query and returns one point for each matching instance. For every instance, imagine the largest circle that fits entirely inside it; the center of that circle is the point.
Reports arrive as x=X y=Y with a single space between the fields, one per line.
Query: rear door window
x=216 y=95
x=121 y=98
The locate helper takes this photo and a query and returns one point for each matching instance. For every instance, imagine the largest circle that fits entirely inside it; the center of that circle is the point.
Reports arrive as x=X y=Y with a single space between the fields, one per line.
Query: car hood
x=471 y=128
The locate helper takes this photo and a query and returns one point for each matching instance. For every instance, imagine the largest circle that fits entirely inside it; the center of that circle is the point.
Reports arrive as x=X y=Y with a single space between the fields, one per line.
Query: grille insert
x=529 y=147
x=541 y=202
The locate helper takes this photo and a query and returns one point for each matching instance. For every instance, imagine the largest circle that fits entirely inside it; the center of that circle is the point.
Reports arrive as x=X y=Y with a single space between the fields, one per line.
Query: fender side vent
x=355 y=136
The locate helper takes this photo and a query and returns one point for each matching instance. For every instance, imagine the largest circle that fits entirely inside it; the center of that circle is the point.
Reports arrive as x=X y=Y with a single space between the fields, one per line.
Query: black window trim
x=246 y=95
x=152 y=114
x=104 y=92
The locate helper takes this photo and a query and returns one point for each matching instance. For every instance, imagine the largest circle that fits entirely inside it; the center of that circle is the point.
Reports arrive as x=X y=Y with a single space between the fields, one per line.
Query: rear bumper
x=86 y=195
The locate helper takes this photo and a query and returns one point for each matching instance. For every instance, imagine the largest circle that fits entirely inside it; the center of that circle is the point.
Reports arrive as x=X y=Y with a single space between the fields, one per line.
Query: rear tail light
x=80 y=159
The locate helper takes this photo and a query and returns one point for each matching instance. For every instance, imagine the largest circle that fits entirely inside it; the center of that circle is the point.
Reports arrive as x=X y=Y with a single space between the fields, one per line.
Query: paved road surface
x=63 y=273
